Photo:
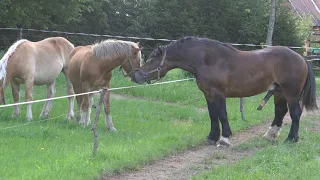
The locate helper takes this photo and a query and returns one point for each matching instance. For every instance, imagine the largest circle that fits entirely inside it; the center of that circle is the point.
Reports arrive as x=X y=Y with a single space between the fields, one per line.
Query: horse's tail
x=5 y=59
x=309 y=91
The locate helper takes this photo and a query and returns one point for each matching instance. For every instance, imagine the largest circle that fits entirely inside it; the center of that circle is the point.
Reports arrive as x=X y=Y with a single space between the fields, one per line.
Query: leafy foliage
x=242 y=21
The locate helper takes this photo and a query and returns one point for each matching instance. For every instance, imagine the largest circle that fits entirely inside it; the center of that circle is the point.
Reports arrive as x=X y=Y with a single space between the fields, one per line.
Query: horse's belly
x=45 y=76
x=248 y=91
x=249 y=87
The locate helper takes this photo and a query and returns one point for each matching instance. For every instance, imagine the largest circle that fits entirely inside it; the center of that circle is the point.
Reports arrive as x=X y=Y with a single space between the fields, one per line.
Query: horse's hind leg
x=79 y=103
x=2 y=98
x=295 y=114
x=70 y=91
x=28 y=95
x=107 y=110
x=16 y=97
x=280 y=109
x=48 y=105
x=85 y=106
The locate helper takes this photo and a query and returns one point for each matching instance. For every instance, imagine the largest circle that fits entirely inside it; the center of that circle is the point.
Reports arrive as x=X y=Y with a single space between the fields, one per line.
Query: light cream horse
x=90 y=69
x=35 y=63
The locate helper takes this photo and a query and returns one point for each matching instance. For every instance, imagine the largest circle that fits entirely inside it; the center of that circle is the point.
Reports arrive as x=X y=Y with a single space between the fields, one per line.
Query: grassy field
x=278 y=160
x=147 y=130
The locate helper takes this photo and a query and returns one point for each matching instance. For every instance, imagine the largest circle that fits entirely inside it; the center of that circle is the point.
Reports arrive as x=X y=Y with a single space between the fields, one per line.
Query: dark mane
x=174 y=45
x=183 y=40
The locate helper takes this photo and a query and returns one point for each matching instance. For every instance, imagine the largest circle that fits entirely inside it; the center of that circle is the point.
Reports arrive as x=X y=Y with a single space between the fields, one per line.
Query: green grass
x=147 y=131
x=184 y=93
x=278 y=160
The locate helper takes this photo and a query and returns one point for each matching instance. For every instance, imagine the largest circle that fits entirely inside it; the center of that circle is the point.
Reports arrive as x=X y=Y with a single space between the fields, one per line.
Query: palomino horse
x=36 y=63
x=90 y=69
x=222 y=71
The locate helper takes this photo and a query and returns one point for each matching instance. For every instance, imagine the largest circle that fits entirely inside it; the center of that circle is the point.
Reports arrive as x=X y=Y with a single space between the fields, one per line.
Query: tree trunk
x=268 y=42
x=271 y=22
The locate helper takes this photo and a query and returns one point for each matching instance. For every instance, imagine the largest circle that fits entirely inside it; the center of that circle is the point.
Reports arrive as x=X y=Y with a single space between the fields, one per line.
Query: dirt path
x=192 y=162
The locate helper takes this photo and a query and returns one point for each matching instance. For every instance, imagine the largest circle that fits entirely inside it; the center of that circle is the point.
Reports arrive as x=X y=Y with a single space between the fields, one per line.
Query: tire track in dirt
x=192 y=162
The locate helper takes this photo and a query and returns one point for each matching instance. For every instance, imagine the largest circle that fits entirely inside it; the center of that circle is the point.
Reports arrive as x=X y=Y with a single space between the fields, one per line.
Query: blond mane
x=112 y=48
x=4 y=60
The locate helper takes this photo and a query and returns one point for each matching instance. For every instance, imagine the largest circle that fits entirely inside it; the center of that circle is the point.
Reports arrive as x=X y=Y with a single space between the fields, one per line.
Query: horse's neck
x=111 y=63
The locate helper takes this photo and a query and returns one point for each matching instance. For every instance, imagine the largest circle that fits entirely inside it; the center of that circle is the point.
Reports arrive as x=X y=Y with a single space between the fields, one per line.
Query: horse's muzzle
x=138 y=77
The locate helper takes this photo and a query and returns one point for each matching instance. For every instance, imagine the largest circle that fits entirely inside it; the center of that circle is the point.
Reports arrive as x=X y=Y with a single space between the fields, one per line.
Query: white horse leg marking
x=109 y=123
x=224 y=141
x=89 y=109
x=79 y=103
x=16 y=98
x=29 y=88
x=107 y=111
x=83 y=116
x=85 y=110
x=70 y=91
x=48 y=105
x=71 y=103
x=272 y=133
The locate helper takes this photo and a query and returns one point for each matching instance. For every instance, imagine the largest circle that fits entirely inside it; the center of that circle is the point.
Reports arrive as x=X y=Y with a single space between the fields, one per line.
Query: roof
x=309 y=7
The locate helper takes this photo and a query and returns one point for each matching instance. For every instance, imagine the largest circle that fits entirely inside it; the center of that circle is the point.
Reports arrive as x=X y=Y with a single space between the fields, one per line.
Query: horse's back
x=44 y=59
x=260 y=68
x=288 y=68
x=77 y=56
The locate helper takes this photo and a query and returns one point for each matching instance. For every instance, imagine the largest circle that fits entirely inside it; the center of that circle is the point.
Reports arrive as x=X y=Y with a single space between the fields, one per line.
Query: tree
x=271 y=22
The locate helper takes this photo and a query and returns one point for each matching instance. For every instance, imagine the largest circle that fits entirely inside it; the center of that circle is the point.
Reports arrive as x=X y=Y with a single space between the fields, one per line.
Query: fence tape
x=137 y=38
x=93 y=92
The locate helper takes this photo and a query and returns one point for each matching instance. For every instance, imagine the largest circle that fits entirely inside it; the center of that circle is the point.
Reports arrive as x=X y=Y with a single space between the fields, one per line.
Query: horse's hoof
x=15 y=115
x=268 y=137
x=83 y=124
x=272 y=133
x=212 y=142
x=78 y=118
x=69 y=117
x=112 y=129
x=45 y=116
x=291 y=140
x=224 y=141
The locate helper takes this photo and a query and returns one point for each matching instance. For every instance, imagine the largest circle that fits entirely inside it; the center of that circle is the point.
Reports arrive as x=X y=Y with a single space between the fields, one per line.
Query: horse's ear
x=138 y=43
x=160 y=50
x=136 y=50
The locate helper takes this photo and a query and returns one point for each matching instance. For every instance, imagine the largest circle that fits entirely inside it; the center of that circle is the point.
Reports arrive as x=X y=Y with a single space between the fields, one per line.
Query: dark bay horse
x=222 y=71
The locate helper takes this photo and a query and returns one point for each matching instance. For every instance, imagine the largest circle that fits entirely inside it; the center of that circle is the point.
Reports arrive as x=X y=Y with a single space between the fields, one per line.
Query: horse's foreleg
x=280 y=109
x=214 y=110
x=48 y=105
x=16 y=97
x=28 y=95
x=226 y=131
x=85 y=107
x=2 y=98
x=70 y=91
x=107 y=110
x=79 y=103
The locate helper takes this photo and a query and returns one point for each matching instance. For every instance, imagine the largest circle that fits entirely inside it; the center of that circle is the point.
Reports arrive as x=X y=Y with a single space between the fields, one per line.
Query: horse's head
x=154 y=68
x=132 y=63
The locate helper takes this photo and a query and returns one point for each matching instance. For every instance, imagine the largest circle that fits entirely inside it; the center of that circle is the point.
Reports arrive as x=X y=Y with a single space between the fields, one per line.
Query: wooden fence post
x=96 y=118
x=20 y=34
x=242 y=109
